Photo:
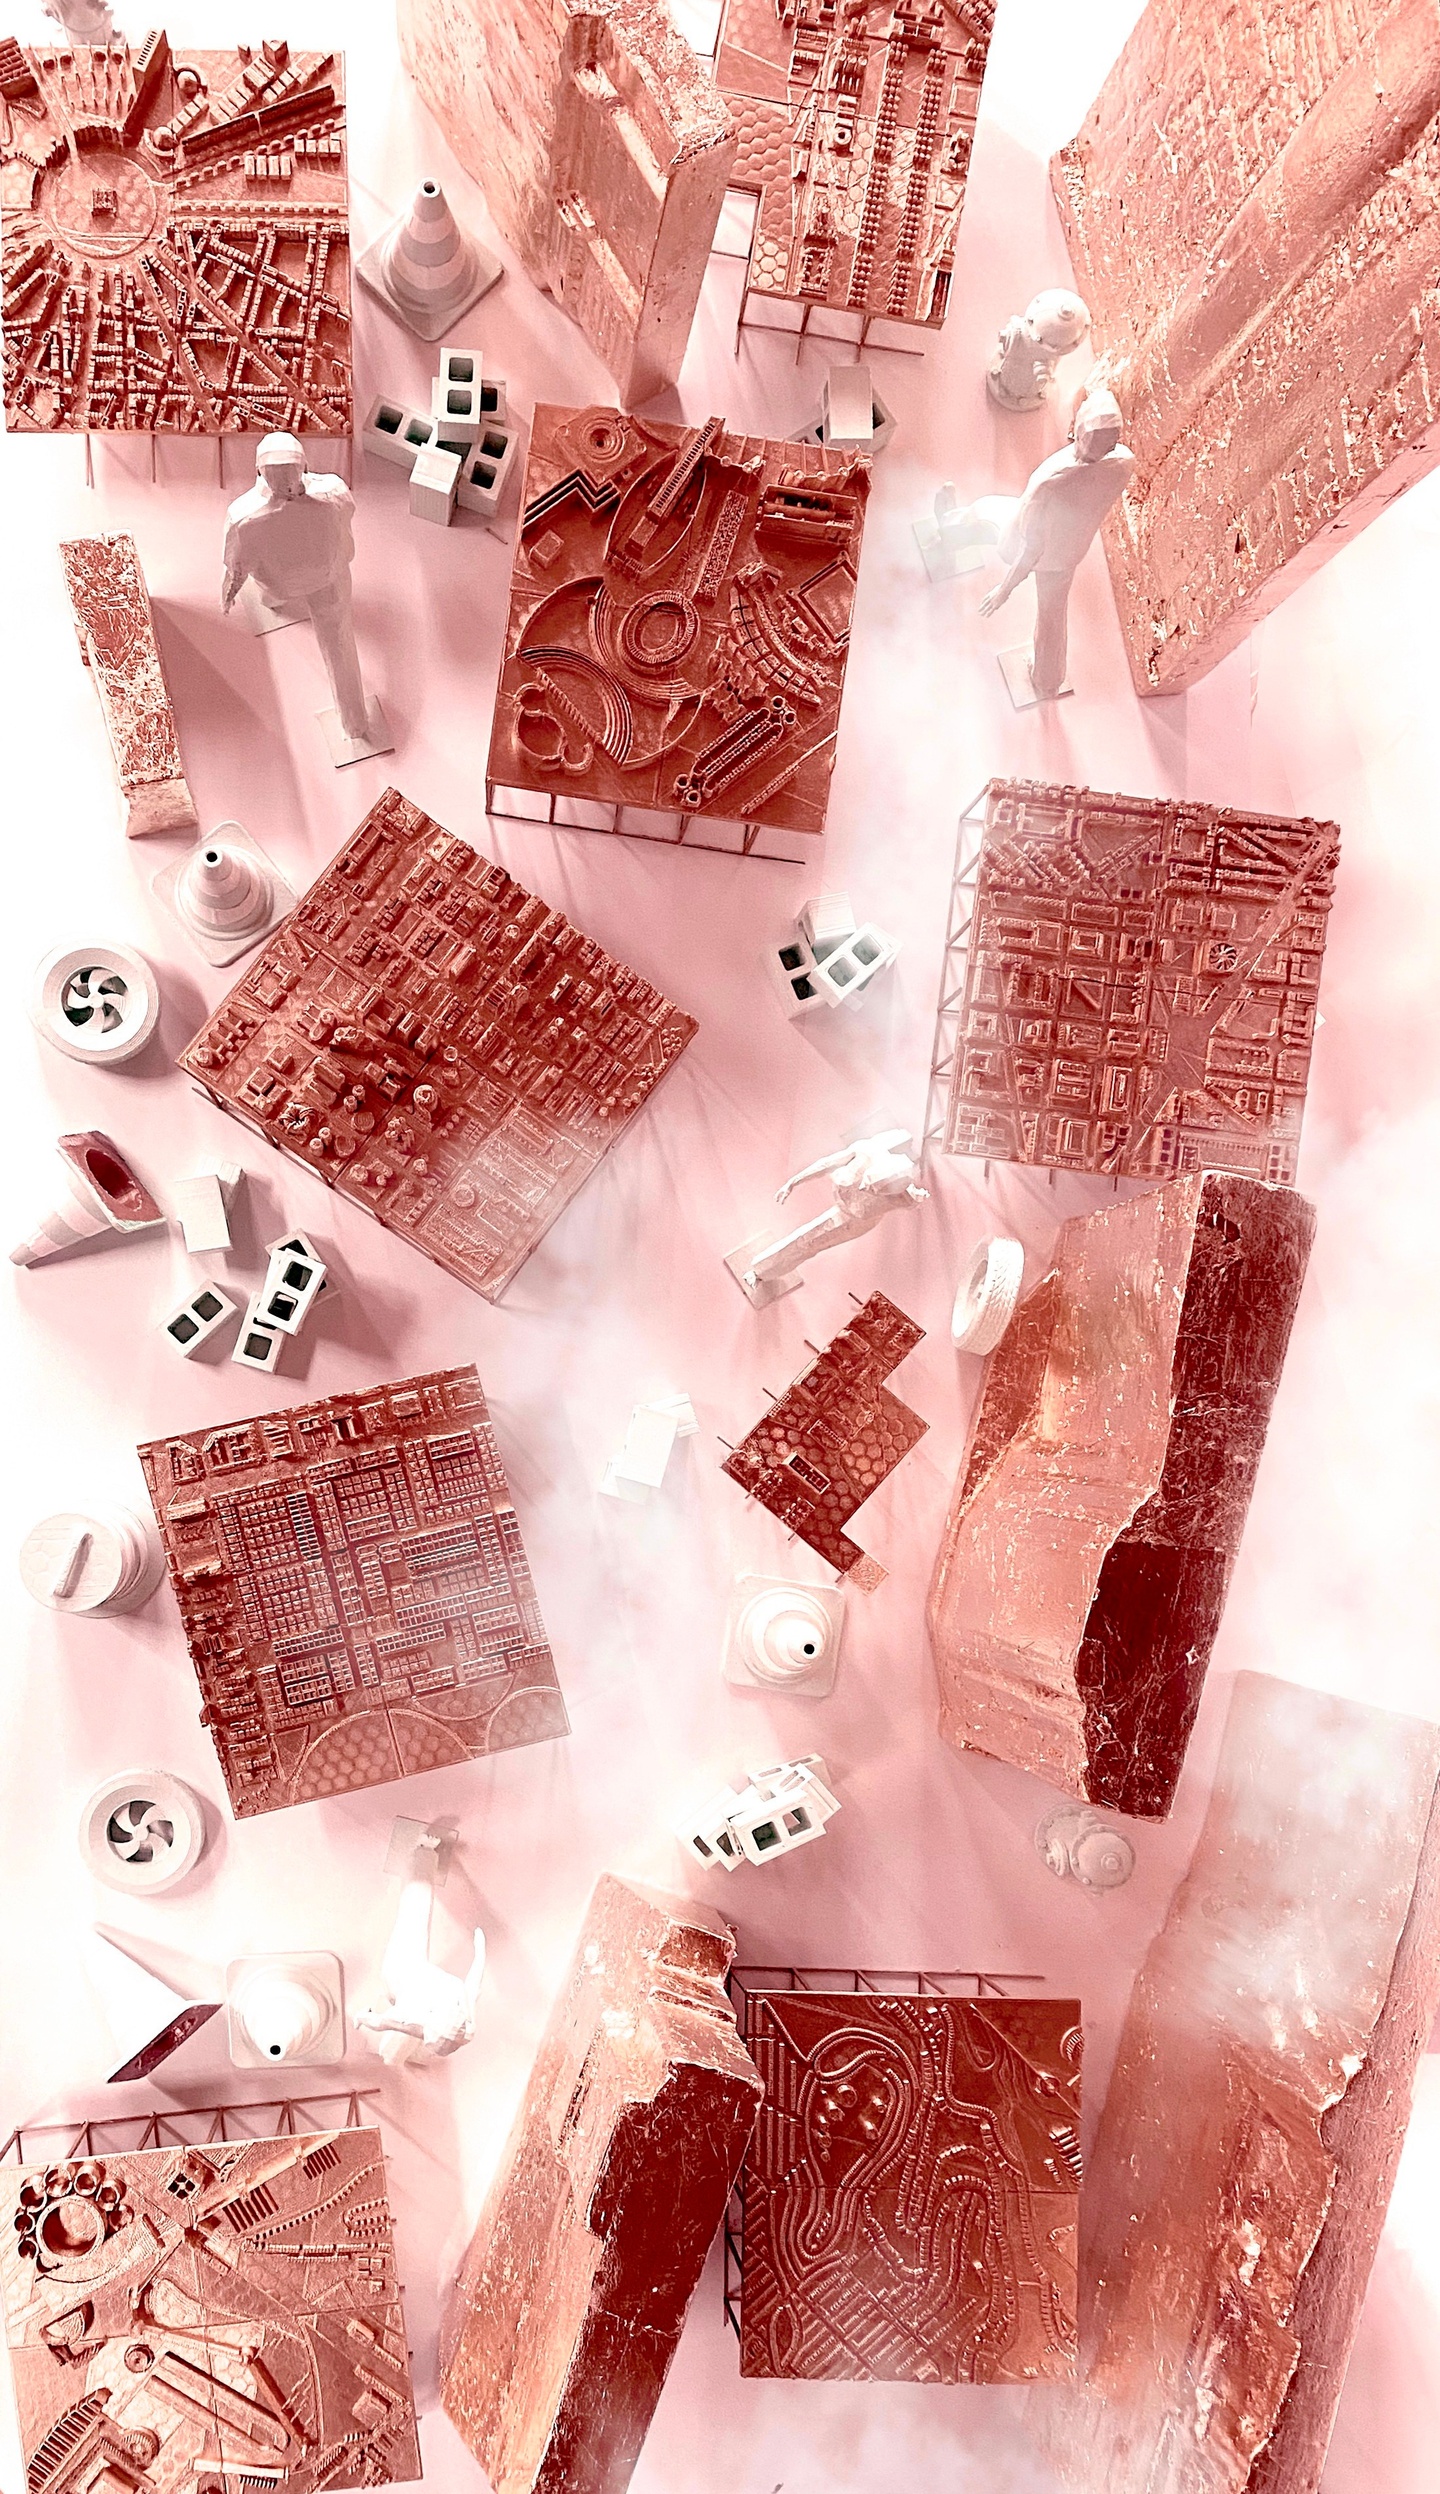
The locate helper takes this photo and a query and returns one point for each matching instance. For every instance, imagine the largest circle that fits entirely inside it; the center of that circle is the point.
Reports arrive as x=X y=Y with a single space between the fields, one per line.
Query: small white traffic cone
x=224 y=892
x=425 y=269
x=77 y=1215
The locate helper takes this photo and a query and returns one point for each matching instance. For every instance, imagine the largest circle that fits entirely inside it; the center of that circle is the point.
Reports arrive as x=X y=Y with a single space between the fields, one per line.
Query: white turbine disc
x=142 y=1831
x=988 y=1296
x=98 y=1003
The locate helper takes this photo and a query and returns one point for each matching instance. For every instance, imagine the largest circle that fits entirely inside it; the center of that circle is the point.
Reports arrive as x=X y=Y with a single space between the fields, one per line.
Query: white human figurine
x=291 y=536
x=1021 y=373
x=1052 y=526
x=428 y=2011
x=84 y=21
x=867 y=1180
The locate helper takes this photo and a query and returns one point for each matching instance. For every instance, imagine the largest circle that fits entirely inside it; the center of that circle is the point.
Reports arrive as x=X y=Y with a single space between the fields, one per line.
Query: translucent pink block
x=1086 y=1556
x=1270 y=327
x=1238 y=2184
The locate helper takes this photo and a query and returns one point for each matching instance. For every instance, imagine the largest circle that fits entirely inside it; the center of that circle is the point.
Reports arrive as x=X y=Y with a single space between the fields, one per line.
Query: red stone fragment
x=911 y=2191
x=612 y=2187
x=833 y=1437
x=1253 y=212
x=354 y=1590
x=1249 y=2141
x=186 y=2317
x=1085 y=1559
x=116 y=626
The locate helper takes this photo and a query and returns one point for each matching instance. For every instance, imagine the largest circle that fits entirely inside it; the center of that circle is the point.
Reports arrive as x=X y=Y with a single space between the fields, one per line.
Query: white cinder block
x=198 y=1204
x=433 y=480
x=198 y=1319
x=257 y=1346
x=293 y=1282
x=486 y=473
x=395 y=432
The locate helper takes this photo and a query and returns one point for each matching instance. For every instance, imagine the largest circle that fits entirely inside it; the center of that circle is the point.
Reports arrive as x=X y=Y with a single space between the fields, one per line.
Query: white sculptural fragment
x=426 y=2010
x=291 y=535
x=1021 y=372
x=867 y=1180
x=1052 y=525
x=84 y=21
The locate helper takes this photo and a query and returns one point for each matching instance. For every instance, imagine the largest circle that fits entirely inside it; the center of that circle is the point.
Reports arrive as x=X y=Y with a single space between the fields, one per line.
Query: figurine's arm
x=237 y=570
x=1020 y=569
x=817 y=1169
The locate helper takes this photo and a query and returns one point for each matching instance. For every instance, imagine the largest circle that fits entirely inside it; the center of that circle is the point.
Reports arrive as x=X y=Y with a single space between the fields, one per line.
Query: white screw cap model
x=988 y=1296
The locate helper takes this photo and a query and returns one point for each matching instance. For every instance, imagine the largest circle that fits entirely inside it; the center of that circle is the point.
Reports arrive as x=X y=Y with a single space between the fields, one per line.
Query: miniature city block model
x=640 y=1466
x=117 y=643
x=100 y=1192
x=783 y=1636
x=828 y=959
x=467 y=440
x=97 y=1003
x=225 y=2310
x=176 y=251
x=609 y=2194
x=1272 y=331
x=354 y=1590
x=854 y=127
x=1237 y=2187
x=679 y=620
x=1086 y=1557
x=1131 y=984
x=911 y=2191
x=776 y=1811
x=833 y=1437
x=437 y=1043
x=603 y=151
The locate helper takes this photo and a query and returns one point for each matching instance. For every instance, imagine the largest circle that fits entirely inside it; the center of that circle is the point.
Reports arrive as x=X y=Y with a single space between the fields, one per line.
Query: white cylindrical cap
x=224 y=890
x=98 y=1003
x=428 y=263
x=988 y=1296
x=94 y=1563
x=282 y=2015
x=142 y=1830
x=783 y=1634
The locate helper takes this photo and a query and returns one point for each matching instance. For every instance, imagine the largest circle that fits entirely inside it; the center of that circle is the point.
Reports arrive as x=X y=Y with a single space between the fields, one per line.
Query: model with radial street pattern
x=354 y=1589
x=176 y=242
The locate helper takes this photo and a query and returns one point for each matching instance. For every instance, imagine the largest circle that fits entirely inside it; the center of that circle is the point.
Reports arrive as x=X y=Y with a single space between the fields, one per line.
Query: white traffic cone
x=223 y=891
x=100 y=1192
x=425 y=270
x=77 y=1215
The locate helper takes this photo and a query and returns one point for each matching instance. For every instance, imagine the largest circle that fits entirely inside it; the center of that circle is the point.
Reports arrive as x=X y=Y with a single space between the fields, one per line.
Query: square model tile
x=438 y=1044
x=354 y=1590
x=679 y=619
x=226 y=2314
x=1139 y=985
x=176 y=240
x=912 y=2188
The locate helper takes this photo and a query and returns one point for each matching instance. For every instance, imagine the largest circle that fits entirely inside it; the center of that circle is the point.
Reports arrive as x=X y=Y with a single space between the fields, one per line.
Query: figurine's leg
x=796 y=1247
x=1047 y=666
x=409 y=1943
x=335 y=632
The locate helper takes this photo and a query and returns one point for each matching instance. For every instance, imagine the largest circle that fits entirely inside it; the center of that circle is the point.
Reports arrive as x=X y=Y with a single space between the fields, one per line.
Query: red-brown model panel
x=679 y=619
x=1253 y=212
x=1140 y=984
x=354 y=1590
x=855 y=126
x=117 y=641
x=439 y=1045
x=833 y=1437
x=189 y=2313
x=912 y=2187
x=176 y=243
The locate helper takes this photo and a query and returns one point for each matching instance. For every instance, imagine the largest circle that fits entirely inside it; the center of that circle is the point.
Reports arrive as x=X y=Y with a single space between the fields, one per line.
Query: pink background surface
x=1331 y=709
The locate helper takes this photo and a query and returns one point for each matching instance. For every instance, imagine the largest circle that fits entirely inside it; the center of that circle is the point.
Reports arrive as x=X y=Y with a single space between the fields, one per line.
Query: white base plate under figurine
x=945 y=562
x=760 y=1294
x=1015 y=668
x=343 y=748
x=431 y=326
x=256 y=612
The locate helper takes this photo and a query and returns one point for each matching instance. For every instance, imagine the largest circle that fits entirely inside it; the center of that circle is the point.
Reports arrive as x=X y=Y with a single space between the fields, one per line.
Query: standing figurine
x=429 y=2011
x=868 y=1179
x=291 y=536
x=1021 y=374
x=1052 y=526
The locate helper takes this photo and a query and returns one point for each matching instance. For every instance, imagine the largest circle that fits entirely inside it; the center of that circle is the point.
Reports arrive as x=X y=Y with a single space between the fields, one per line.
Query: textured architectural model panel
x=911 y=2191
x=176 y=252
x=438 y=1044
x=221 y=2315
x=1253 y=210
x=855 y=120
x=834 y=1436
x=1140 y=984
x=117 y=643
x=354 y=1590
x=679 y=618
x=603 y=151
x=611 y=2190
x=1238 y=2183
x=1088 y=1550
